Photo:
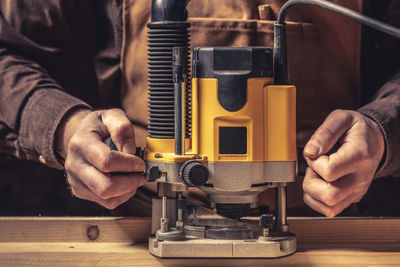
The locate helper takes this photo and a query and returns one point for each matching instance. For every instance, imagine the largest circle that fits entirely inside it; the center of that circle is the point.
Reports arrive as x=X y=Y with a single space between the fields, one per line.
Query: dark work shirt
x=57 y=55
x=54 y=56
x=380 y=71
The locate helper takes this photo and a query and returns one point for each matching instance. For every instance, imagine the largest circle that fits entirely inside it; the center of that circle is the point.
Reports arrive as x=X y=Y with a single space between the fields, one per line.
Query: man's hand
x=333 y=182
x=89 y=162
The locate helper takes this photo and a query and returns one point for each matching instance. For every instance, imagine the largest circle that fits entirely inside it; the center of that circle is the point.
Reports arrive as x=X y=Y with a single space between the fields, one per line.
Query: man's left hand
x=334 y=181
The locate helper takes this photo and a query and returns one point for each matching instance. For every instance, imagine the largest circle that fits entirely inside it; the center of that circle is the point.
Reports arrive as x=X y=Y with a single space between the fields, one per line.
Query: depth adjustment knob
x=194 y=173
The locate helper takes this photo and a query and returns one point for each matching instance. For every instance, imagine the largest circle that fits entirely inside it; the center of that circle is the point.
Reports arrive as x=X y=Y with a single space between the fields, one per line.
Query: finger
x=82 y=191
x=329 y=193
x=121 y=130
x=328 y=211
x=93 y=125
x=349 y=158
x=98 y=154
x=106 y=186
x=326 y=136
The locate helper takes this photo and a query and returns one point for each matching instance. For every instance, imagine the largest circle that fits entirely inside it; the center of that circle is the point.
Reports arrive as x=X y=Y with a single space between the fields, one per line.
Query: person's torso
x=323 y=51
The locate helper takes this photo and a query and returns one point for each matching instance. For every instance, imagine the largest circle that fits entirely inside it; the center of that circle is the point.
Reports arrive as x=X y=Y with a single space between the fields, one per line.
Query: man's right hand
x=94 y=171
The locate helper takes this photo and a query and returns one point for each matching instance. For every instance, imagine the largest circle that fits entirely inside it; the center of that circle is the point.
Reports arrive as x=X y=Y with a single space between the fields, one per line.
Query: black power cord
x=280 y=58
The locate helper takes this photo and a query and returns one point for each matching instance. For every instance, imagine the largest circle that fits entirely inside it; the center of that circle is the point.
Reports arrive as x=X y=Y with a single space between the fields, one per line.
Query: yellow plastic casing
x=269 y=115
x=163 y=150
x=280 y=125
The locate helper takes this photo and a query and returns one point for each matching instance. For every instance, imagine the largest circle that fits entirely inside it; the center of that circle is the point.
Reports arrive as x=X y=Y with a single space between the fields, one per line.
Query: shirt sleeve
x=384 y=108
x=32 y=103
x=385 y=111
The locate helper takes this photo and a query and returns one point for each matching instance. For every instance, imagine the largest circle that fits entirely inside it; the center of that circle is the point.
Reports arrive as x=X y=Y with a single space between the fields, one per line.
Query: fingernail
x=311 y=149
x=128 y=148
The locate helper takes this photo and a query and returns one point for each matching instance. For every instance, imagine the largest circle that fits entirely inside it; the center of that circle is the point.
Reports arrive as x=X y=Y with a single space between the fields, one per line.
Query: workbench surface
x=115 y=241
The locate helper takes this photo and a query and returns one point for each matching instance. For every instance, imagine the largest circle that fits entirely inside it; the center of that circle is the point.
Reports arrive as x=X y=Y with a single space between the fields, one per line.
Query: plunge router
x=229 y=131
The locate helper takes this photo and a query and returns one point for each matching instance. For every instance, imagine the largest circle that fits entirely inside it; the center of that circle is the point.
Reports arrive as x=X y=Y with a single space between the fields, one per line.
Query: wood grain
x=136 y=230
x=73 y=229
x=64 y=241
x=346 y=230
x=123 y=254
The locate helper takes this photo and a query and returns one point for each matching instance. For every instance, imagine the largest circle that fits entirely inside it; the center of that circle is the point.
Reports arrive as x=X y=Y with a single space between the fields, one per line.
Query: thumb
x=120 y=129
x=328 y=134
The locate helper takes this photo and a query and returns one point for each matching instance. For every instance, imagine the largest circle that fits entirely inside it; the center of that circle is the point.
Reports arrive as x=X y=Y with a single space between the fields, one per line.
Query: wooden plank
x=118 y=229
x=346 y=230
x=123 y=254
x=41 y=241
x=74 y=229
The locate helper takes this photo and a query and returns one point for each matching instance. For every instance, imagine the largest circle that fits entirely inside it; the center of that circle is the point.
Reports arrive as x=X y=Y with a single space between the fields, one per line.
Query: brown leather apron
x=323 y=55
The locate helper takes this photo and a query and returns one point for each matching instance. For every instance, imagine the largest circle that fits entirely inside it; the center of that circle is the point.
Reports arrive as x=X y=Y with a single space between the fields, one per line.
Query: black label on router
x=232 y=140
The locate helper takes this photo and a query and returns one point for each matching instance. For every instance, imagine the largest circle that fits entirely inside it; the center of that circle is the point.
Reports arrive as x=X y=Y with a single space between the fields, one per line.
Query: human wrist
x=380 y=139
x=68 y=126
